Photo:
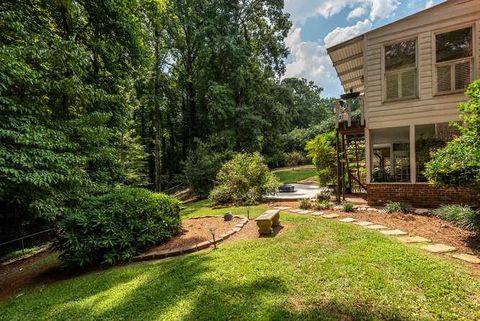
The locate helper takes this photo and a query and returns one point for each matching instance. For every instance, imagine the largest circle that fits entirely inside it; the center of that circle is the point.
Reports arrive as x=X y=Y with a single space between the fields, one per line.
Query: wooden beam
x=346 y=72
x=348 y=59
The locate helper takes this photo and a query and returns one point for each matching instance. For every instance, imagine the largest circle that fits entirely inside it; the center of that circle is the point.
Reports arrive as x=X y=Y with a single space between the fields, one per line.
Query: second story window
x=454 y=60
x=401 y=70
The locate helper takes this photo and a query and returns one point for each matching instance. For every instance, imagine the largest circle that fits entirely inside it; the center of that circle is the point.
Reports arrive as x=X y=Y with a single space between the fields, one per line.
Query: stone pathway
x=402 y=236
x=439 y=248
x=394 y=232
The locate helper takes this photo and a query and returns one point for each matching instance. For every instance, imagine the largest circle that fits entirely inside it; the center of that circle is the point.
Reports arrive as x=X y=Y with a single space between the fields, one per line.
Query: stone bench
x=267 y=221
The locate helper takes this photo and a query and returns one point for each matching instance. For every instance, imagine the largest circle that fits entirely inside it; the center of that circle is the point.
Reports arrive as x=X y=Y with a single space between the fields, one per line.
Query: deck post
x=413 y=165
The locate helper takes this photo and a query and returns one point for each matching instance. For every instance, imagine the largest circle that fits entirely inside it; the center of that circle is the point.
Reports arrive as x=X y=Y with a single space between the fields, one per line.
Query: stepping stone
x=296 y=210
x=467 y=258
x=439 y=248
x=348 y=220
x=304 y=212
x=330 y=216
x=282 y=208
x=421 y=211
x=318 y=213
x=394 y=232
x=376 y=227
x=413 y=239
x=363 y=223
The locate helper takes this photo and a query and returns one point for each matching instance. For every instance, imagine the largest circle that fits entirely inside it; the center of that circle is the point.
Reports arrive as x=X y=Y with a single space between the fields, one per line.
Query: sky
x=319 y=24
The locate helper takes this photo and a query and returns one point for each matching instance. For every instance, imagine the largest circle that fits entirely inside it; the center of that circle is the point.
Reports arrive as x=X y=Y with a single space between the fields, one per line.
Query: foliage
x=244 y=180
x=324 y=195
x=65 y=94
x=305 y=204
x=348 y=207
x=322 y=205
x=458 y=164
x=398 y=207
x=462 y=216
x=201 y=168
x=114 y=227
x=294 y=159
x=322 y=152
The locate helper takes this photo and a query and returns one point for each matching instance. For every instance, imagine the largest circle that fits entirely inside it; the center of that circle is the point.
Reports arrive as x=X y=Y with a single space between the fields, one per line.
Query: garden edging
x=193 y=248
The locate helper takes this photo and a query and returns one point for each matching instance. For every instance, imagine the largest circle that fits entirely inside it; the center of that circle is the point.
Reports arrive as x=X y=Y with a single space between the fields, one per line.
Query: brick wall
x=421 y=195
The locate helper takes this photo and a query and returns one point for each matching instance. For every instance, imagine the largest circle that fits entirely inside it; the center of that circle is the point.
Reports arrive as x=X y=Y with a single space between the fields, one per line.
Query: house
x=407 y=78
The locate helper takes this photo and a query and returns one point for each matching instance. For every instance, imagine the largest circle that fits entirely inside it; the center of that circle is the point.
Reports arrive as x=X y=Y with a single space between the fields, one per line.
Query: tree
x=458 y=164
x=322 y=152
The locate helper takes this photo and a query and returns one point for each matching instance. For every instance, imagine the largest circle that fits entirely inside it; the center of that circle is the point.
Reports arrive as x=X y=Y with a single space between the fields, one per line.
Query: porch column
x=368 y=155
x=413 y=165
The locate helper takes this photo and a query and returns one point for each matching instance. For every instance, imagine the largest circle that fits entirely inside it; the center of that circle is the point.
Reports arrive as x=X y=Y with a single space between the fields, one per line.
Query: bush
x=294 y=159
x=324 y=196
x=322 y=205
x=305 y=204
x=462 y=216
x=398 y=207
x=115 y=227
x=201 y=167
x=322 y=152
x=458 y=164
x=348 y=207
x=244 y=180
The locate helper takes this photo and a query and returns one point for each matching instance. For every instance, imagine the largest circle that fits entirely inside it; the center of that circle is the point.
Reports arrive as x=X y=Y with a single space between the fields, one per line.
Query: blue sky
x=318 y=24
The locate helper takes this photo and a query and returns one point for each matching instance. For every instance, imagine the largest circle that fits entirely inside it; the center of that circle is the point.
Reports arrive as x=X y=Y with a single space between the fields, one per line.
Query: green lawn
x=293 y=176
x=314 y=270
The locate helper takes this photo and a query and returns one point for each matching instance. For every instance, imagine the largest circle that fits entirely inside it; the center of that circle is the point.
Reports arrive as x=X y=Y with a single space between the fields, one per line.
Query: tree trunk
x=157 y=150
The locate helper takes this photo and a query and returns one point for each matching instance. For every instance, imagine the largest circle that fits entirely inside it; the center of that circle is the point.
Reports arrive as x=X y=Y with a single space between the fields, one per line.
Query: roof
x=348 y=59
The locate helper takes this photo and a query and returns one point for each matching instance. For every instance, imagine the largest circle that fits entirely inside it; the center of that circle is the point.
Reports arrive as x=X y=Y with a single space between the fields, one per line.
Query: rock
x=421 y=211
x=228 y=216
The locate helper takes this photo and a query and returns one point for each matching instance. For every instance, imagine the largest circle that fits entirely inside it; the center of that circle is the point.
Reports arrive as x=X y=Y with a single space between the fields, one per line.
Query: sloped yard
x=315 y=269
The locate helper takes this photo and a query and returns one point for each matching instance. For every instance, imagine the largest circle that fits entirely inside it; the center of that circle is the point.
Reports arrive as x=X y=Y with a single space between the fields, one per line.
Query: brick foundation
x=421 y=195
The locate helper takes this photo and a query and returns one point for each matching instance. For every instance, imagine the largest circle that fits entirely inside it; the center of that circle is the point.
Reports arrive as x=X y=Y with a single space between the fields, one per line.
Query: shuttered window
x=401 y=70
x=454 y=60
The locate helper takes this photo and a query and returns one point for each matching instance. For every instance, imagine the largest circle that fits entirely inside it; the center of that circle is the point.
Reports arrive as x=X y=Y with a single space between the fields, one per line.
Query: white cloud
x=429 y=4
x=357 y=13
x=310 y=60
x=339 y=35
x=382 y=8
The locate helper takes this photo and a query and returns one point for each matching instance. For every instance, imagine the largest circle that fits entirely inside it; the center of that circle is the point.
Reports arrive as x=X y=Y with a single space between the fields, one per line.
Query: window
x=391 y=155
x=454 y=60
x=401 y=70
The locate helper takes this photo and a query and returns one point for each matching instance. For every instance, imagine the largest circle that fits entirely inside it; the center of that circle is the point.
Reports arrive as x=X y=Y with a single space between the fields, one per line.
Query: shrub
x=201 y=167
x=398 y=207
x=244 y=180
x=324 y=196
x=114 y=227
x=322 y=205
x=322 y=152
x=348 y=207
x=462 y=216
x=458 y=164
x=305 y=204
x=294 y=159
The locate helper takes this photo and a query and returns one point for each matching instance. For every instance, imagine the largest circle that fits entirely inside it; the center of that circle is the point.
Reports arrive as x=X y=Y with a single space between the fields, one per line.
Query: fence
x=26 y=242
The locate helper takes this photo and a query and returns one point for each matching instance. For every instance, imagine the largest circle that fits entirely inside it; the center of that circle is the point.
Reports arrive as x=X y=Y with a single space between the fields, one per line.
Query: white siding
x=428 y=108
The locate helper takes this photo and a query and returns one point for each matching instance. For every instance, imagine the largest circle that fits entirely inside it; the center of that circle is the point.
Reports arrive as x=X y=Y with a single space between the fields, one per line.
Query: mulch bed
x=196 y=235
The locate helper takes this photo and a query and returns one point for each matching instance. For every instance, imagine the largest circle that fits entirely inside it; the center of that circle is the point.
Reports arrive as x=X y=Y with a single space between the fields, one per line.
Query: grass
x=314 y=270
x=19 y=253
x=293 y=176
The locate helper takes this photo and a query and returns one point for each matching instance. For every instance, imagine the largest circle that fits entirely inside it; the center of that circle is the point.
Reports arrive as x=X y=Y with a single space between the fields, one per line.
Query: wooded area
x=150 y=93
